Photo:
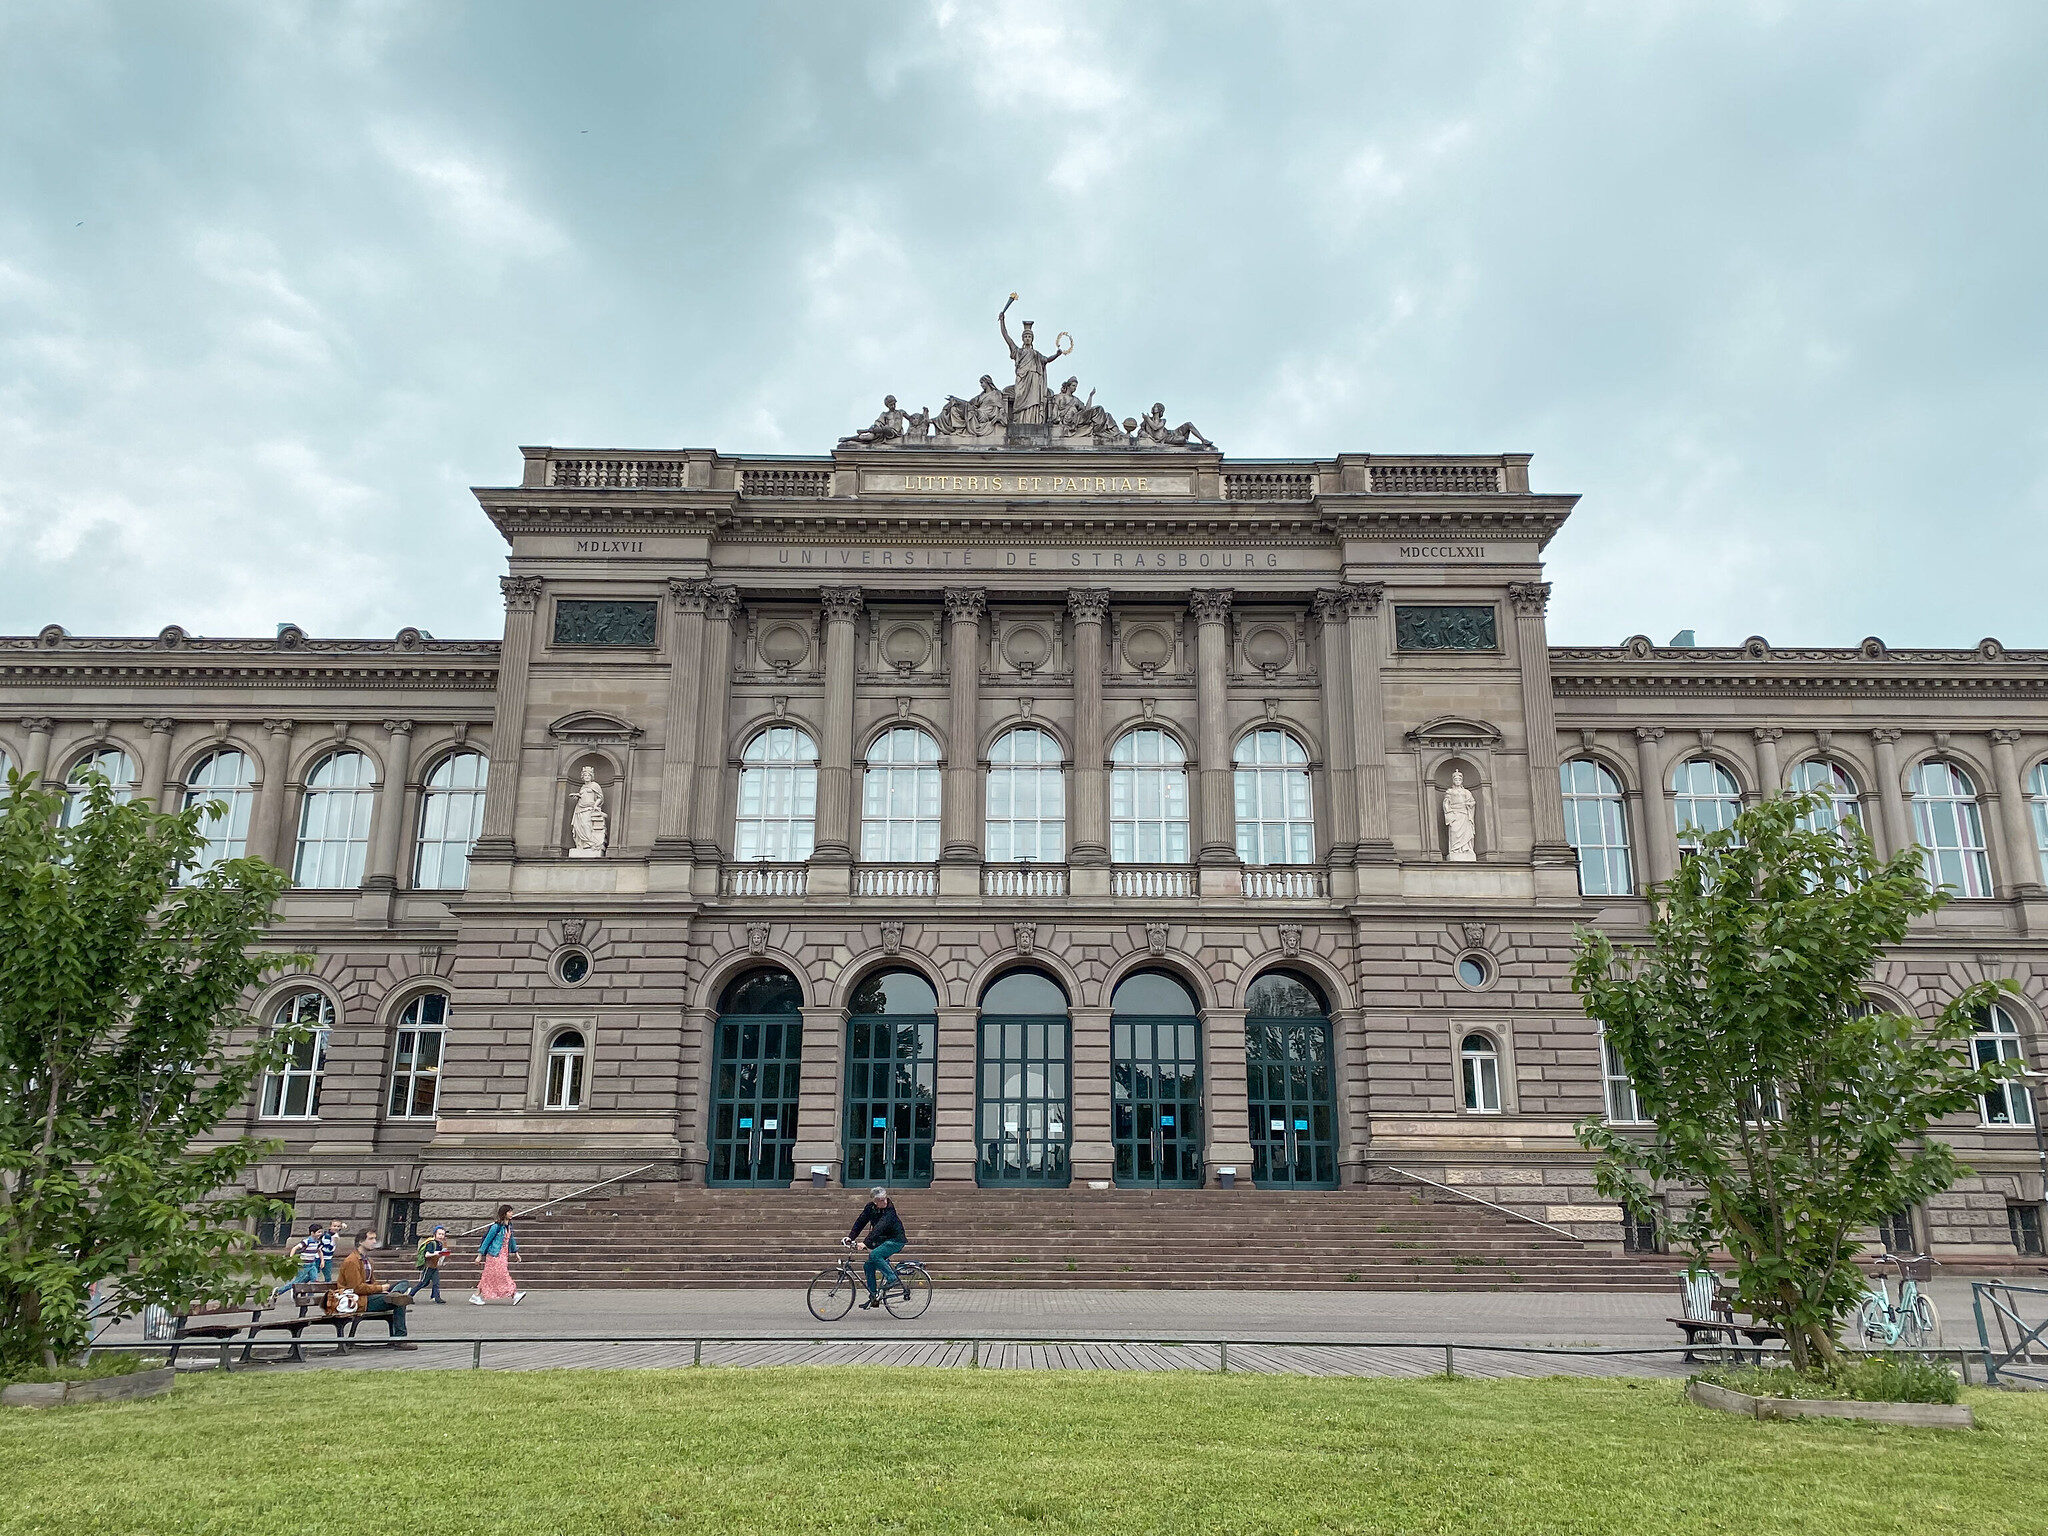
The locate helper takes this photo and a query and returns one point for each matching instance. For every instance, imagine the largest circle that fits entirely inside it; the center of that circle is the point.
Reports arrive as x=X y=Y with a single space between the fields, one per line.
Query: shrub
x=1878 y=1379
x=118 y=1363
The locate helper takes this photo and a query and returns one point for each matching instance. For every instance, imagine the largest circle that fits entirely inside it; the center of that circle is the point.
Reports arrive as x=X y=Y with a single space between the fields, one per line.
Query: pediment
x=590 y=726
x=1454 y=731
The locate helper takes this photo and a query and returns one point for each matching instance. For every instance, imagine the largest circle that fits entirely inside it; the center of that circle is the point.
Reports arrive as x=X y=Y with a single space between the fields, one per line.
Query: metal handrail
x=1465 y=1195
x=572 y=1195
x=2018 y=1340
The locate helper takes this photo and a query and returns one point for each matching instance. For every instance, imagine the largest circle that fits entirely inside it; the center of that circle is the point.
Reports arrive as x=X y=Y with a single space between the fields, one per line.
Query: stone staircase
x=1382 y=1236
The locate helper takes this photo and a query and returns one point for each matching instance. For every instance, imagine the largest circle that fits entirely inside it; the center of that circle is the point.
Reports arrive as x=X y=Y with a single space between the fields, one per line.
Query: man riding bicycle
x=884 y=1241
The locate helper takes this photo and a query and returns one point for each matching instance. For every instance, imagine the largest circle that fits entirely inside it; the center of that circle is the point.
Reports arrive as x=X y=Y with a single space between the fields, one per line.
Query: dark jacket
x=883 y=1219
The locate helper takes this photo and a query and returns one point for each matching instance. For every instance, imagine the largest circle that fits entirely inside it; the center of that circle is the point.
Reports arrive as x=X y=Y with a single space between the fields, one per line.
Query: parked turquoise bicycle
x=1911 y=1324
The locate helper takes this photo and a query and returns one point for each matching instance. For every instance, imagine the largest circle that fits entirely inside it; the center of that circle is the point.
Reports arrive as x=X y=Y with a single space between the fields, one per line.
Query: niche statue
x=588 y=824
x=1459 y=808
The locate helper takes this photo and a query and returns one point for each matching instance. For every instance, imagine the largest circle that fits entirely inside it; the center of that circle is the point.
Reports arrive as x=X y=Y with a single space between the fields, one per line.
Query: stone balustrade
x=1298 y=883
x=896 y=880
x=773 y=880
x=1151 y=881
x=1023 y=880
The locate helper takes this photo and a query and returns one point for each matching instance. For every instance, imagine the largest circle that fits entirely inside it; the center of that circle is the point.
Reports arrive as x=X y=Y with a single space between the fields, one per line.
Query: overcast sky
x=1764 y=282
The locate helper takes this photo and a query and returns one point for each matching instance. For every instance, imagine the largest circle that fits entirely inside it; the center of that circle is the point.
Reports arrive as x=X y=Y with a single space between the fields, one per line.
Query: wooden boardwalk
x=987 y=1354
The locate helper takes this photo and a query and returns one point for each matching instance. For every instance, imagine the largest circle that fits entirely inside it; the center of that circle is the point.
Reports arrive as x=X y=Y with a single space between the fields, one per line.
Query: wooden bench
x=1709 y=1316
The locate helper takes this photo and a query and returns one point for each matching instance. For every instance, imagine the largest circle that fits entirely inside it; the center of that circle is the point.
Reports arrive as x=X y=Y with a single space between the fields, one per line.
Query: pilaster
x=960 y=806
x=1092 y=1152
x=156 y=761
x=508 y=721
x=687 y=597
x=821 y=1092
x=714 y=704
x=1088 y=816
x=1212 y=686
x=1891 y=791
x=1660 y=837
x=834 y=846
x=2023 y=861
x=956 y=1151
x=266 y=816
x=1365 y=601
x=1226 y=1117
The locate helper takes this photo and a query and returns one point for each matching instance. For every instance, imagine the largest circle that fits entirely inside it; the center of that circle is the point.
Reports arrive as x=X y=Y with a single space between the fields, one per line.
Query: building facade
x=1023 y=802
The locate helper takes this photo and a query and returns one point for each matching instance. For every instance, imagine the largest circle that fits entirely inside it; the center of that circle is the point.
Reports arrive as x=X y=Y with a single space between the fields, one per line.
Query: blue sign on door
x=746 y=1122
x=1301 y=1125
x=1166 y=1119
x=881 y=1122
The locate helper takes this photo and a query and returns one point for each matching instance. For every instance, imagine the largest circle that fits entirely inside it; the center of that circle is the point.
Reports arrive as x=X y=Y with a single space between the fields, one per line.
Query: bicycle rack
x=2021 y=1358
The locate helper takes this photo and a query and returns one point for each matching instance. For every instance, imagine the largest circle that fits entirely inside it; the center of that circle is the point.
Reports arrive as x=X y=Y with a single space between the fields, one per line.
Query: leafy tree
x=1792 y=1112
x=120 y=993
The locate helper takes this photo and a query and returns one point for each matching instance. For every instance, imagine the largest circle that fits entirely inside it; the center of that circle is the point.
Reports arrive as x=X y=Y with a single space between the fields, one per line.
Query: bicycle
x=1912 y=1324
x=833 y=1288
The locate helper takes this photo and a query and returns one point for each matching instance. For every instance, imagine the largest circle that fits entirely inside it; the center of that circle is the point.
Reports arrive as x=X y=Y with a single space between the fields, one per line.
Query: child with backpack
x=427 y=1260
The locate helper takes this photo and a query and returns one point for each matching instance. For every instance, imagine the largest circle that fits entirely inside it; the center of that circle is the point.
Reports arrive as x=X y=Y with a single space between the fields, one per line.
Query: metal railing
x=896 y=880
x=1476 y=1200
x=574 y=1194
x=2020 y=1343
x=1023 y=880
x=1282 y=884
x=1154 y=880
x=767 y=879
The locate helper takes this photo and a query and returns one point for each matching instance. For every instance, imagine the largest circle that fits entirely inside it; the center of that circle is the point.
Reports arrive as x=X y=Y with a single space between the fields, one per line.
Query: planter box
x=106 y=1389
x=1915 y=1415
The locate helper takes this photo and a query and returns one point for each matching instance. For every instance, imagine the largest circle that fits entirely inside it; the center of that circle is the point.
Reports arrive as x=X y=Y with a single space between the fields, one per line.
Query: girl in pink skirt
x=497 y=1250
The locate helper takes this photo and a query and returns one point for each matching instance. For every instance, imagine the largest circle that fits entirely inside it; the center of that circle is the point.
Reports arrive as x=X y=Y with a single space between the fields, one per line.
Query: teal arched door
x=1155 y=1075
x=757 y=1059
x=1290 y=1084
x=892 y=1057
x=1025 y=1069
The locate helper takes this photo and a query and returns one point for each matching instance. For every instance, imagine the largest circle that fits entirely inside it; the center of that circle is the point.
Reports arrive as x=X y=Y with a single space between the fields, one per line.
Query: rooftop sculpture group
x=1025 y=414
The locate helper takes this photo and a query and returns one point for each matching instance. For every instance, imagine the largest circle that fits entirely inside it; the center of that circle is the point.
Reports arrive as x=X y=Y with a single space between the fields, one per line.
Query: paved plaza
x=1307 y=1332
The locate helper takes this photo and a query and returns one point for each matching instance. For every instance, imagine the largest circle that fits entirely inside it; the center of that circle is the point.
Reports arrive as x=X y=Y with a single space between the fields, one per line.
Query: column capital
x=1886 y=738
x=2007 y=737
x=688 y=593
x=280 y=727
x=1764 y=733
x=1210 y=605
x=966 y=605
x=522 y=593
x=1649 y=733
x=1364 y=597
x=1531 y=598
x=398 y=727
x=159 y=727
x=841 y=604
x=721 y=600
x=1088 y=605
x=1330 y=604
x=38 y=725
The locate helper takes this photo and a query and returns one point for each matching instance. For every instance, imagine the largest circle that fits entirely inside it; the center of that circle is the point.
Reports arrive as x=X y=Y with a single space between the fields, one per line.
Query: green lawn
x=846 y=1449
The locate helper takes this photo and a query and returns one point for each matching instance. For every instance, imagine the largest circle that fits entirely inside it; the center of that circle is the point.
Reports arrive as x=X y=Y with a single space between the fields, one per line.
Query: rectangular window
x=1445 y=627
x=293 y=1093
x=2025 y=1221
x=1639 y=1234
x=401 y=1220
x=1895 y=1232
x=276 y=1231
x=580 y=621
x=1623 y=1107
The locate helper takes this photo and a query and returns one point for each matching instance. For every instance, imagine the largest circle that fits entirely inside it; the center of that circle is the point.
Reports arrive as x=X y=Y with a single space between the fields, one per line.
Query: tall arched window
x=227 y=778
x=416 y=1058
x=778 y=797
x=1704 y=795
x=1950 y=828
x=1596 y=824
x=1844 y=807
x=334 y=821
x=1027 y=799
x=292 y=1091
x=1998 y=1039
x=1275 y=819
x=1148 y=799
x=899 y=816
x=1026 y=1058
x=566 y=1056
x=111 y=764
x=451 y=816
x=2037 y=799
x=1479 y=1064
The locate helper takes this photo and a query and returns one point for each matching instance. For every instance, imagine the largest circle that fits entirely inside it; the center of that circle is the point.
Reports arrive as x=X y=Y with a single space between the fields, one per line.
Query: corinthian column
x=38 y=759
x=2022 y=852
x=1212 y=685
x=1539 y=722
x=960 y=810
x=156 y=760
x=1368 y=721
x=389 y=832
x=266 y=821
x=508 y=721
x=685 y=660
x=1767 y=767
x=721 y=606
x=1340 y=773
x=1891 y=804
x=1660 y=837
x=842 y=606
x=1087 y=818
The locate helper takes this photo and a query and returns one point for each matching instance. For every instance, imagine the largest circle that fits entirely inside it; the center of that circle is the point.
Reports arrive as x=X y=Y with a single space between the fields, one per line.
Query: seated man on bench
x=374 y=1298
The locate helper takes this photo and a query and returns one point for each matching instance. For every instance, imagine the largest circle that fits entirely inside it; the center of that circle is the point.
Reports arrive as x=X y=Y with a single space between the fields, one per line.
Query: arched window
x=451 y=816
x=899 y=817
x=1704 y=795
x=757 y=1060
x=2037 y=799
x=1148 y=799
x=1623 y=1107
x=1027 y=799
x=6 y=767
x=111 y=764
x=565 y=1071
x=1596 y=824
x=1950 y=828
x=1479 y=1064
x=334 y=821
x=1025 y=1062
x=292 y=1091
x=892 y=1049
x=778 y=797
x=416 y=1058
x=1844 y=807
x=1275 y=819
x=228 y=778
x=1998 y=1039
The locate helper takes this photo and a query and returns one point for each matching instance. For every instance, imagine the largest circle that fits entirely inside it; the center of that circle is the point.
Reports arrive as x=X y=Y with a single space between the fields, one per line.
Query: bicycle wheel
x=831 y=1293
x=1872 y=1326
x=913 y=1296
x=1926 y=1322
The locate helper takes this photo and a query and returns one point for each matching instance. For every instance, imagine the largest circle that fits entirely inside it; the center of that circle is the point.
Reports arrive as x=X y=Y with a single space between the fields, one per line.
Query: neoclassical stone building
x=1022 y=802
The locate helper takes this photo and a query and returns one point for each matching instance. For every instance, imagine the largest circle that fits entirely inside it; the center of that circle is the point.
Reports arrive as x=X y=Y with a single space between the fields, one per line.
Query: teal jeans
x=878 y=1258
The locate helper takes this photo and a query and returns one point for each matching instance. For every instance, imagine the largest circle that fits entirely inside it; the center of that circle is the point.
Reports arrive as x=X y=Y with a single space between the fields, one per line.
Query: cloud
x=475 y=200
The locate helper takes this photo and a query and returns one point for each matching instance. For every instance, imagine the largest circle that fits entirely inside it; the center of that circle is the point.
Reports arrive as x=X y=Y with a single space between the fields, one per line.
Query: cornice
x=1757 y=669
x=412 y=660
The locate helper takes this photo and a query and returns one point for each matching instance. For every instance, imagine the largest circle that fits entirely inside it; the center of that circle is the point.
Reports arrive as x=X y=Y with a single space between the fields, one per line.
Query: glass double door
x=754 y=1081
x=1023 y=1119
x=1288 y=1082
x=891 y=1094
x=1156 y=1100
